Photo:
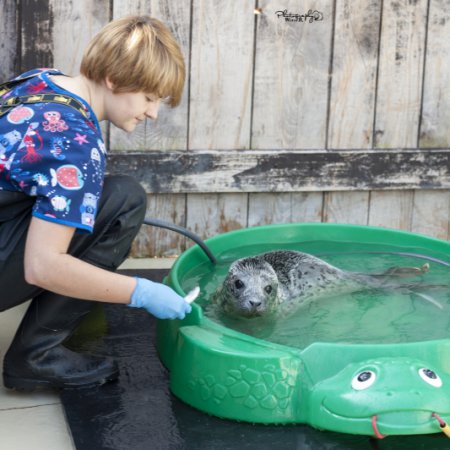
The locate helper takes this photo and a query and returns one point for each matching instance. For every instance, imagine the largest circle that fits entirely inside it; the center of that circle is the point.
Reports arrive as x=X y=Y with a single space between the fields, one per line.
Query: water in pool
x=382 y=316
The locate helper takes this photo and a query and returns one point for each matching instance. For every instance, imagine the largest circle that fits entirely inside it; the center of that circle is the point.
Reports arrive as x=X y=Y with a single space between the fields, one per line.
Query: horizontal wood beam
x=284 y=170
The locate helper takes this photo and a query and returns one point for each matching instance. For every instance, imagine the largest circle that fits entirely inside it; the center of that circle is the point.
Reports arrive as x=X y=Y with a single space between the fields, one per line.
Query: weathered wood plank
x=221 y=74
x=157 y=241
x=220 y=101
x=355 y=58
x=169 y=131
x=400 y=73
x=431 y=213
x=431 y=209
x=266 y=209
x=9 y=33
x=435 y=130
x=346 y=207
x=391 y=209
x=284 y=208
x=82 y=19
x=210 y=214
x=291 y=76
x=285 y=171
x=306 y=206
x=36 y=34
x=399 y=91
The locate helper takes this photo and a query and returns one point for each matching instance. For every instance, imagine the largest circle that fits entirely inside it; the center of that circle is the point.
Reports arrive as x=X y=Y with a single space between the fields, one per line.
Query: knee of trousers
x=120 y=215
x=121 y=195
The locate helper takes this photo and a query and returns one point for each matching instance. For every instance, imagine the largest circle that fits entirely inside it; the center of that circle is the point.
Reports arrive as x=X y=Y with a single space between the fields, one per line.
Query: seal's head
x=250 y=288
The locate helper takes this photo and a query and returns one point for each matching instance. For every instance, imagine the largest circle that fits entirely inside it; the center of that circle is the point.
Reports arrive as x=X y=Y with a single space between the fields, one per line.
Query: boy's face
x=126 y=110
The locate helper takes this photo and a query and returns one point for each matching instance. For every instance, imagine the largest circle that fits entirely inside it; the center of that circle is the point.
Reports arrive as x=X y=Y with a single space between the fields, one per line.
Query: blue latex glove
x=158 y=299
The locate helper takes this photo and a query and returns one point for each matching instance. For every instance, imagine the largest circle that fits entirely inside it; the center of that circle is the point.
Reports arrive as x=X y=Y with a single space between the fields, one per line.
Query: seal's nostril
x=254 y=303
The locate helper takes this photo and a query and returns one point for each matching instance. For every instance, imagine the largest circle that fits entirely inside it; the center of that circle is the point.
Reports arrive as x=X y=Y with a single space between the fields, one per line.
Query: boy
x=64 y=227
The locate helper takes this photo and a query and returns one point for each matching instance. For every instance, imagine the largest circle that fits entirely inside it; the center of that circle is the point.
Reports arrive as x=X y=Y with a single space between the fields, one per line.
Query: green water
x=376 y=316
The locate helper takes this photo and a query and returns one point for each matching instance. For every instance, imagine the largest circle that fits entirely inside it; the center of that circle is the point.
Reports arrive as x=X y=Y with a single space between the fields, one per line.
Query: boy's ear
x=109 y=84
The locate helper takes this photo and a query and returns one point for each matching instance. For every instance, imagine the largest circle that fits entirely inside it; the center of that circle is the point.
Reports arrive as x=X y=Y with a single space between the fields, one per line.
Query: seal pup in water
x=284 y=279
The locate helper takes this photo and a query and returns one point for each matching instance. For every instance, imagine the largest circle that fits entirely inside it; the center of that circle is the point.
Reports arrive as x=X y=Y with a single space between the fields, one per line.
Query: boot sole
x=28 y=385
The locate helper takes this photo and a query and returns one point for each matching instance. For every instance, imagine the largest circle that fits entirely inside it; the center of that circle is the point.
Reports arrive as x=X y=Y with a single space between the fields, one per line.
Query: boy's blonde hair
x=137 y=54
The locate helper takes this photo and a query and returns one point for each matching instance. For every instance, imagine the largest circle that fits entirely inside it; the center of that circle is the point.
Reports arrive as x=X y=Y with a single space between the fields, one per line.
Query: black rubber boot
x=37 y=358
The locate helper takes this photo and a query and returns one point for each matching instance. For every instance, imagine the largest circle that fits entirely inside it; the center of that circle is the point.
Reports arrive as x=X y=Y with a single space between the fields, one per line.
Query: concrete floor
x=36 y=420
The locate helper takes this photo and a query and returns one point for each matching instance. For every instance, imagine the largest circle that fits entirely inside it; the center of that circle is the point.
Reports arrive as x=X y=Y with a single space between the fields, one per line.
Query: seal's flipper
x=404 y=271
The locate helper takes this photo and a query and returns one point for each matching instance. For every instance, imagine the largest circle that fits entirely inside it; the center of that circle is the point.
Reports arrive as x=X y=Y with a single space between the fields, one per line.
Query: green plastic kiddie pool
x=374 y=363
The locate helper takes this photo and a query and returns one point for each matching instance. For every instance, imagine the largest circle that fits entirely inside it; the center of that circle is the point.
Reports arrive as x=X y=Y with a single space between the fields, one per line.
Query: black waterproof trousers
x=120 y=214
x=37 y=356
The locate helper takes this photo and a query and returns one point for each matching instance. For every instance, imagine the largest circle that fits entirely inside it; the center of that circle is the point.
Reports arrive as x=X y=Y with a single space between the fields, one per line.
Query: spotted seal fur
x=261 y=284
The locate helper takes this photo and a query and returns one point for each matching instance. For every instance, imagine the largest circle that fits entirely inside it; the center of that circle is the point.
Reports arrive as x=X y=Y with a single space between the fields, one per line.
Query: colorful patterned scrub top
x=52 y=152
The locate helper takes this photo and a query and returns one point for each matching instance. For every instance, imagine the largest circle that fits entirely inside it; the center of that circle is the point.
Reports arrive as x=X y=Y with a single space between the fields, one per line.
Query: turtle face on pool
x=382 y=396
x=250 y=288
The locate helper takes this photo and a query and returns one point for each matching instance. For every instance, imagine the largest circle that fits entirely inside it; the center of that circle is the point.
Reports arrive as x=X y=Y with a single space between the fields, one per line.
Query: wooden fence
x=293 y=111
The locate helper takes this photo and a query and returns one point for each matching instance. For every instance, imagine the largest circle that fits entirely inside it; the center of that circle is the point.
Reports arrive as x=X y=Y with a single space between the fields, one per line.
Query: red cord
x=439 y=419
x=375 y=428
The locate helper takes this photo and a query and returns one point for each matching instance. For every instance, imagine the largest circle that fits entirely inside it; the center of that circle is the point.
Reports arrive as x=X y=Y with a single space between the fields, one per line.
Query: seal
x=283 y=279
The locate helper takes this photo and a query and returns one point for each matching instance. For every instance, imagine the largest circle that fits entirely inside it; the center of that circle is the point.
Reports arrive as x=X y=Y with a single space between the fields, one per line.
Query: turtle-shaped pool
x=374 y=362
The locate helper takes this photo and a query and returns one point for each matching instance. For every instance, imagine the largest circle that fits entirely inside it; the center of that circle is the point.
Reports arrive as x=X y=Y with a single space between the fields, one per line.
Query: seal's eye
x=363 y=380
x=239 y=284
x=268 y=288
x=430 y=377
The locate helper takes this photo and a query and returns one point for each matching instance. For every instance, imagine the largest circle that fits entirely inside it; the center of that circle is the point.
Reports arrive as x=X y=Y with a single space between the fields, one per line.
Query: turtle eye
x=430 y=377
x=268 y=289
x=363 y=380
x=238 y=284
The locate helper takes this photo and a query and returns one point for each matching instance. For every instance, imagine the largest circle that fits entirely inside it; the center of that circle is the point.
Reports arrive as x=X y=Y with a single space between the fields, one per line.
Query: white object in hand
x=192 y=295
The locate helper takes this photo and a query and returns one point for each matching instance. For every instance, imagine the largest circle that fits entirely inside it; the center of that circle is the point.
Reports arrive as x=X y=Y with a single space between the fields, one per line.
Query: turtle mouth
x=384 y=423
x=423 y=418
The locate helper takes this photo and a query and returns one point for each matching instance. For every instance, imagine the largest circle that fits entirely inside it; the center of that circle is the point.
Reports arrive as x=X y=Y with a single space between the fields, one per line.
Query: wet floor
x=138 y=411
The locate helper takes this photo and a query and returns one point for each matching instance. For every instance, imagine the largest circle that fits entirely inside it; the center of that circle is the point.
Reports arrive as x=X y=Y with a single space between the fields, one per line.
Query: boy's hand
x=158 y=299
